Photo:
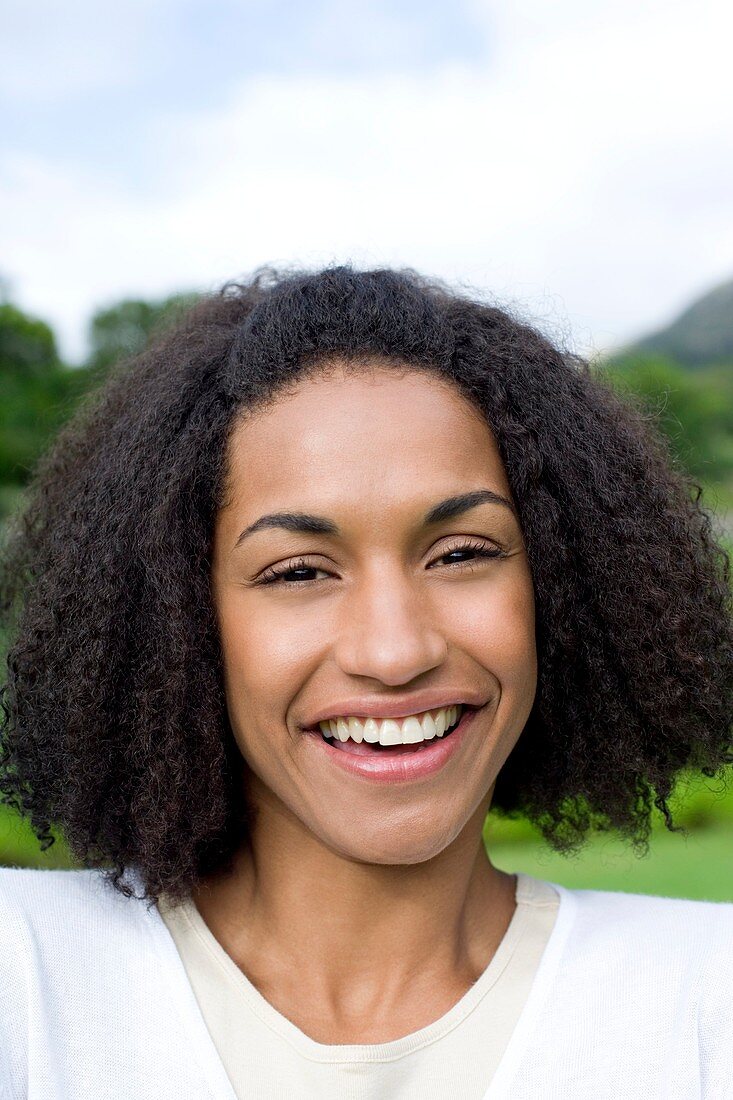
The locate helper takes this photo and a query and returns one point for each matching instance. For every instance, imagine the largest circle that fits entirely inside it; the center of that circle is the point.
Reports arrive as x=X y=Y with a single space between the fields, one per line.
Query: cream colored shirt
x=454 y=1058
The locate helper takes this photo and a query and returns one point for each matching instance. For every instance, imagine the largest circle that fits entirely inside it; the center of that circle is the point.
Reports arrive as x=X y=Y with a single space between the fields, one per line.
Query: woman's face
x=381 y=611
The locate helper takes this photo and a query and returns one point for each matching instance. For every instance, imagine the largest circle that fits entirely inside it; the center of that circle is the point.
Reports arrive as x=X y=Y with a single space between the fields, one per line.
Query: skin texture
x=364 y=912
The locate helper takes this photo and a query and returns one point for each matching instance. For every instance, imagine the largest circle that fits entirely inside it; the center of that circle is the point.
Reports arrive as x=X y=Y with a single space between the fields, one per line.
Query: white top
x=632 y=999
x=453 y=1058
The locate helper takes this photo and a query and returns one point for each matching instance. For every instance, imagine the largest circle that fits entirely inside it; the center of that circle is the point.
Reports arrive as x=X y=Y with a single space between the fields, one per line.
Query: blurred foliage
x=39 y=391
x=38 y=394
x=695 y=410
x=123 y=330
x=697 y=866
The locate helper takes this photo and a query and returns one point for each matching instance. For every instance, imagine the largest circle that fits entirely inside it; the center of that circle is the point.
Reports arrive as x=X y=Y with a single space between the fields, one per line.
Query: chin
x=386 y=849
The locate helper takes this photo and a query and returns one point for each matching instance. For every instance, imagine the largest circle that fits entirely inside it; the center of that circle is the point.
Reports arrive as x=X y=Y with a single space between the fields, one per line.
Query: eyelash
x=275 y=576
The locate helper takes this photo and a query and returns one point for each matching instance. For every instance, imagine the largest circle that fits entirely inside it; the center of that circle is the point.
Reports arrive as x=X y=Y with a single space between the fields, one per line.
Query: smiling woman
x=343 y=561
x=401 y=589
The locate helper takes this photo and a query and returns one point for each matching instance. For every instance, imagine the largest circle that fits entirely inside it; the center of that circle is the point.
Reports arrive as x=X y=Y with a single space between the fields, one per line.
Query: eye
x=278 y=574
x=480 y=549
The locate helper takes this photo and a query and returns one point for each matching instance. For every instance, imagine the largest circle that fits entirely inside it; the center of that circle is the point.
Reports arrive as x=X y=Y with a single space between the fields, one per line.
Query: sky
x=572 y=160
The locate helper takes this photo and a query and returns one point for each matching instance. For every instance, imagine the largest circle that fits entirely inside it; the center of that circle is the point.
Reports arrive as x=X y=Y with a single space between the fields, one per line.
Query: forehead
x=366 y=434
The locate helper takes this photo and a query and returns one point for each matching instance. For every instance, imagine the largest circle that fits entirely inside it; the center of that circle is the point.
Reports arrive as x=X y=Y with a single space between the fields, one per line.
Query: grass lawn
x=20 y=848
x=700 y=866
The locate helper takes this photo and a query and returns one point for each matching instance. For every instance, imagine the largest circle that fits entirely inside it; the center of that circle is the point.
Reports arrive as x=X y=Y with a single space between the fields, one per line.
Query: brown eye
x=278 y=575
x=478 y=549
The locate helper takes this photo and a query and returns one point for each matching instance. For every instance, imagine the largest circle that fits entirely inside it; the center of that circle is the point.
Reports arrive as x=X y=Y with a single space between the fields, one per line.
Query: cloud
x=579 y=172
x=51 y=52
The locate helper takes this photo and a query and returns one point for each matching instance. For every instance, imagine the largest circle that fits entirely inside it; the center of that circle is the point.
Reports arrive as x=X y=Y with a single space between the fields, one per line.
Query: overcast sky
x=573 y=159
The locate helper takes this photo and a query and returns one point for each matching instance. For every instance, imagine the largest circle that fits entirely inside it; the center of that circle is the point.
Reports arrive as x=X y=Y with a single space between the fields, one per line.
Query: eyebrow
x=308 y=524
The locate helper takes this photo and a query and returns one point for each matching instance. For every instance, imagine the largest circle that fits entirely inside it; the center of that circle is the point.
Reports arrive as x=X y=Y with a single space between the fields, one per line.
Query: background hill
x=701 y=336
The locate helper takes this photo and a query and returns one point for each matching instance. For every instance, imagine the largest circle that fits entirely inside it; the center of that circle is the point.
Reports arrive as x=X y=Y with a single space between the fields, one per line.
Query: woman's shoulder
x=63 y=905
x=81 y=962
x=663 y=958
x=26 y=885
x=652 y=908
x=31 y=886
x=67 y=934
x=655 y=929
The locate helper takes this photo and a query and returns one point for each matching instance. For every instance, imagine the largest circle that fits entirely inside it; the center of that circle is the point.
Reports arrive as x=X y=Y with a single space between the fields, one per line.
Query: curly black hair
x=115 y=728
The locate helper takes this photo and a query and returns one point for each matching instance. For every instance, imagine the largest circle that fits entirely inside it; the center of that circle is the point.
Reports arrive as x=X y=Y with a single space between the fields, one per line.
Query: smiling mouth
x=365 y=748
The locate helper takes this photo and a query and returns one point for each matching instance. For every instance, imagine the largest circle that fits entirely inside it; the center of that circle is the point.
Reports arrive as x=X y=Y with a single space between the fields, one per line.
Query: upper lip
x=394 y=708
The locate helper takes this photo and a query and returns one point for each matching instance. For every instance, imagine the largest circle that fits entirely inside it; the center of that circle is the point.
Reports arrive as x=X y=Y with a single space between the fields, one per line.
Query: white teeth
x=428 y=724
x=371 y=731
x=393 y=731
x=342 y=730
x=356 y=730
x=390 y=732
x=412 y=731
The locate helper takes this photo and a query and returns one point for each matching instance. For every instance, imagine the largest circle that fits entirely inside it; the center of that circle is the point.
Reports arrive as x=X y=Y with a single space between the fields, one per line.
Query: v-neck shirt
x=453 y=1058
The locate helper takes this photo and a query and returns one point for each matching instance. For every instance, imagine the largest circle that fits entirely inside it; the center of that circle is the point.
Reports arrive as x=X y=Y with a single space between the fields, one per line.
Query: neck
x=354 y=941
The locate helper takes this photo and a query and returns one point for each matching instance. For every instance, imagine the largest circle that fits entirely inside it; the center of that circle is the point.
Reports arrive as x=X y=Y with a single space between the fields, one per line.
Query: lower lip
x=383 y=768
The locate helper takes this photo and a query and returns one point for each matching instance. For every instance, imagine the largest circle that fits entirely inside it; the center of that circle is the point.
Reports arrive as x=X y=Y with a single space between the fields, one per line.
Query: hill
x=701 y=336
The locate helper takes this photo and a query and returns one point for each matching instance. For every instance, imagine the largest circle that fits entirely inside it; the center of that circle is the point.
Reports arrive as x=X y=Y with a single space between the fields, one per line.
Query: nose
x=389 y=630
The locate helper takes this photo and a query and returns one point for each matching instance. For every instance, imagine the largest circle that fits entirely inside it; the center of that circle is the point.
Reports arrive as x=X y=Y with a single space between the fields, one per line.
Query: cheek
x=263 y=660
x=499 y=630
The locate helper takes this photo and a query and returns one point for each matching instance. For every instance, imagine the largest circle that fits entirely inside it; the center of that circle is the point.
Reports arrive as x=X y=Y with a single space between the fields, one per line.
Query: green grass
x=697 y=866
x=700 y=866
x=19 y=846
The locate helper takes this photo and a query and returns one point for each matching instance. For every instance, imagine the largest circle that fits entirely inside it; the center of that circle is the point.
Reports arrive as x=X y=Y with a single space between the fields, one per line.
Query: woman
x=342 y=561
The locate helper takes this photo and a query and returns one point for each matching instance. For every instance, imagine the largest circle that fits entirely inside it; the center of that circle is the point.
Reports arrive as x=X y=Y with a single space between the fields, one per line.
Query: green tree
x=39 y=392
x=123 y=330
x=694 y=409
